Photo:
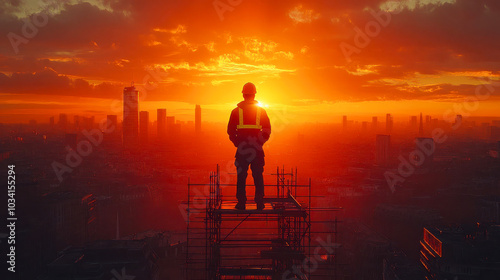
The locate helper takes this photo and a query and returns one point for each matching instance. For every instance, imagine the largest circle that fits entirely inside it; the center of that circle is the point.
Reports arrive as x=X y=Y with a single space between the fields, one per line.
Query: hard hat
x=249 y=88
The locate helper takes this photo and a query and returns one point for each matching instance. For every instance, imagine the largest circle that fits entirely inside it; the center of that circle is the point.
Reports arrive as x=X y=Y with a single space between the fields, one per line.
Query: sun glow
x=262 y=105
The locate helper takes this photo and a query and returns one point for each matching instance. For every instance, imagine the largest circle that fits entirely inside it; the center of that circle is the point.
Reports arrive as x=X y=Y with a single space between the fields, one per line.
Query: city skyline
x=233 y=139
x=357 y=72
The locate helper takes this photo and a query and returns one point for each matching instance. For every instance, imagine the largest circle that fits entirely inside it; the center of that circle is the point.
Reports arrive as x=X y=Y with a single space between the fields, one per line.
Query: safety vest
x=249 y=126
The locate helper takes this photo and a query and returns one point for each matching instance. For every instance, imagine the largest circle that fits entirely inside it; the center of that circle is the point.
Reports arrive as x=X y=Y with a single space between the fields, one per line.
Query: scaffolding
x=277 y=242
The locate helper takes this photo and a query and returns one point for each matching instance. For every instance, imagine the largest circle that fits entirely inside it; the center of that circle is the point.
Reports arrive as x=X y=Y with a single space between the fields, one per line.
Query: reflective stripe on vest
x=249 y=126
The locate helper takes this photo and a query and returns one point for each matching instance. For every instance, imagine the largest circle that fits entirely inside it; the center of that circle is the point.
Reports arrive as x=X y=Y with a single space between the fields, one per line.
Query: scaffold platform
x=272 y=243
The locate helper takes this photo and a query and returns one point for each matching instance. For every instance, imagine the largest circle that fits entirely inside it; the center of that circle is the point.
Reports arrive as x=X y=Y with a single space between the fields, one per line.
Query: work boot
x=260 y=206
x=240 y=206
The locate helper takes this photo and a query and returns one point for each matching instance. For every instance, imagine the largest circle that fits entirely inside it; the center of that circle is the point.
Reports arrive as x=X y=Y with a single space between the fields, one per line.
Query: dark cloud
x=83 y=44
x=48 y=81
x=440 y=38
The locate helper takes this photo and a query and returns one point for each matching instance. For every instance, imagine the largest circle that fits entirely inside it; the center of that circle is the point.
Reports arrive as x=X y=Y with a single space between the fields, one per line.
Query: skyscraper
x=459 y=248
x=374 y=123
x=130 y=117
x=382 y=152
x=364 y=126
x=388 y=123
x=143 y=128
x=344 y=122
x=161 y=122
x=171 y=125
x=63 y=121
x=421 y=127
x=87 y=122
x=413 y=122
x=197 y=119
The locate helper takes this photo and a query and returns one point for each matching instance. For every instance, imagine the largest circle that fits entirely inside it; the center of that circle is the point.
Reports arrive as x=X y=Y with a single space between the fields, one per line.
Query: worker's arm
x=266 y=127
x=231 y=127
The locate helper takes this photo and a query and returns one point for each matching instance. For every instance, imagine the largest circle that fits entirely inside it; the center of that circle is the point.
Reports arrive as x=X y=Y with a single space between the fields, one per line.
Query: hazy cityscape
x=237 y=139
x=419 y=196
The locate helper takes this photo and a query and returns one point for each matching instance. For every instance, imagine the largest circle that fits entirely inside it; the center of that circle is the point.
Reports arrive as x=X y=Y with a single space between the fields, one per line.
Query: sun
x=262 y=105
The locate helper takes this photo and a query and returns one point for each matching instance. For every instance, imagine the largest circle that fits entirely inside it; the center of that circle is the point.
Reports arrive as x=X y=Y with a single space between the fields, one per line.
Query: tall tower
x=130 y=117
x=413 y=122
x=421 y=127
x=161 y=123
x=171 y=125
x=197 y=119
x=388 y=123
x=63 y=121
x=344 y=122
x=374 y=123
x=144 y=127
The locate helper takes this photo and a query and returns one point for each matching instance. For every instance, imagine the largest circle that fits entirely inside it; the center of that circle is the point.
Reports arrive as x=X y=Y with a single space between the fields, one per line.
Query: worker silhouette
x=249 y=128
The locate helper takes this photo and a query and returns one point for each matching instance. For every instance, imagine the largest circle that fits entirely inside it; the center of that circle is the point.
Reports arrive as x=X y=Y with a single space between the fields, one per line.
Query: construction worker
x=249 y=128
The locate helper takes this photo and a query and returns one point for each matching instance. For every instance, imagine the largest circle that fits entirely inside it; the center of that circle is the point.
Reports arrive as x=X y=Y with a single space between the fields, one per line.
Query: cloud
x=93 y=49
x=301 y=15
x=49 y=82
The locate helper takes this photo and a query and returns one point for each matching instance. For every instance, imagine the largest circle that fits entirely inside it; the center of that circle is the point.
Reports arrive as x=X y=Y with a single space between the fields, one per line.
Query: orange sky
x=311 y=60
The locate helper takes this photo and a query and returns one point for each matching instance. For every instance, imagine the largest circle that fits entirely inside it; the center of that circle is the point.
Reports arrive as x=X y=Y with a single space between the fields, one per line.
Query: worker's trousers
x=256 y=163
